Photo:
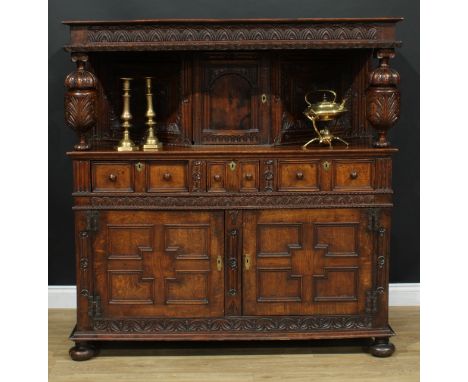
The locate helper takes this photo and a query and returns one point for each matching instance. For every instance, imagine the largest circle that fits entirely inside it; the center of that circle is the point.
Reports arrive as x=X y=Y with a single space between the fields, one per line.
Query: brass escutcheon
x=247 y=261
x=139 y=166
x=326 y=165
x=219 y=263
x=264 y=98
x=232 y=165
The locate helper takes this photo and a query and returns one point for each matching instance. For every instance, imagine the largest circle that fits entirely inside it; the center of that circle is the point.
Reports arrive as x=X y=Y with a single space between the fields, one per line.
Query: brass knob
x=353 y=175
x=112 y=177
x=248 y=176
x=167 y=176
x=217 y=177
x=299 y=175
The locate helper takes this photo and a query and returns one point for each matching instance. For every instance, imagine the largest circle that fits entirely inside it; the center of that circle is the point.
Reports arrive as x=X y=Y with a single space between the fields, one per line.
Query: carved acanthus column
x=80 y=100
x=383 y=97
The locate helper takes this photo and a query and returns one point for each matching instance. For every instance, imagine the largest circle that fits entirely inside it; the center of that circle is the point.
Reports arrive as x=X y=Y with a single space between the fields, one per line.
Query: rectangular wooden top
x=232 y=34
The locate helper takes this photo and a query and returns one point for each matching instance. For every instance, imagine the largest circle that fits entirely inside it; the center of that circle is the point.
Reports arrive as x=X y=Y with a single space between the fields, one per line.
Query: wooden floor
x=237 y=362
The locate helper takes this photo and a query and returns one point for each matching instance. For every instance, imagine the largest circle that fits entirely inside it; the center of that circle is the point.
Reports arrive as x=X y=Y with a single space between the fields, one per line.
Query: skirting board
x=61 y=297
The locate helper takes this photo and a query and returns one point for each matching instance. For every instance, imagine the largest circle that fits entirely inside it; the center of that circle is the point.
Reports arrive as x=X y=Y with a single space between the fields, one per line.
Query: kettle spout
x=343 y=103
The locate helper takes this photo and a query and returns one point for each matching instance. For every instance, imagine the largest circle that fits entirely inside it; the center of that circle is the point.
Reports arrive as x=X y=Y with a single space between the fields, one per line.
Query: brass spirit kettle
x=324 y=110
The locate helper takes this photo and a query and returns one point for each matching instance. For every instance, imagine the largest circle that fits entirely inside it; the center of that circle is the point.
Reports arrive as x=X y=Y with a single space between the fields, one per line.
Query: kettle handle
x=319 y=91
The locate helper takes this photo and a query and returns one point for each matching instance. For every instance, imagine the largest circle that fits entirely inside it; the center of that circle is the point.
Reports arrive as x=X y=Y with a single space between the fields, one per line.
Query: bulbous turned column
x=383 y=97
x=80 y=100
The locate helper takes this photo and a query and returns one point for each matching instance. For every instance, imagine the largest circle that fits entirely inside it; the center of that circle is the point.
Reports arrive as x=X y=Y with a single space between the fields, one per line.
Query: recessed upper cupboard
x=225 y=98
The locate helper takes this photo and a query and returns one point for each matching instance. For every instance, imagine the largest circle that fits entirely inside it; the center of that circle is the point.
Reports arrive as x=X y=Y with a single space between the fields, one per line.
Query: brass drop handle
x=247 y=261
x=112 y=177
x=217 y=177
x=299 y=175
x=219 y=263
x=353 y=175
x=167 y=176
x=248 y=176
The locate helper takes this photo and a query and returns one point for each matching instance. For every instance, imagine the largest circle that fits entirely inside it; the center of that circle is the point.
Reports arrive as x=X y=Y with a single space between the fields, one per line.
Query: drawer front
x=249 y=179
x=167 y=176
x=298 y=175
x=217 y=176
x=112 y=177
x=353 y=175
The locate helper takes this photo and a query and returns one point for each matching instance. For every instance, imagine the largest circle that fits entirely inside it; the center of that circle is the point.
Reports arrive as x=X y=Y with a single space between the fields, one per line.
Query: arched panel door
x=233 y=103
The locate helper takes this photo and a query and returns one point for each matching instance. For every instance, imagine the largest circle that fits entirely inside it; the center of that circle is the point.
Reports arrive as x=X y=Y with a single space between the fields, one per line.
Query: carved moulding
x=80 y=100
x=232 y=201
x=236 y=324
x=219 y=33
x=383 y=97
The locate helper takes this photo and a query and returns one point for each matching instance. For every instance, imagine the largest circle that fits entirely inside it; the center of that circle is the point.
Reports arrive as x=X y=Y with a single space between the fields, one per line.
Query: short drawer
x=249 y=176
x=298 y=175
x=112 y=177
x=353 y=174
x=217 y=173
x=167 y=176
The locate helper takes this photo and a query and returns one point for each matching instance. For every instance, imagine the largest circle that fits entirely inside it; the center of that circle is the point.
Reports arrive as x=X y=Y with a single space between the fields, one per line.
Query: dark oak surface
x=232 y=230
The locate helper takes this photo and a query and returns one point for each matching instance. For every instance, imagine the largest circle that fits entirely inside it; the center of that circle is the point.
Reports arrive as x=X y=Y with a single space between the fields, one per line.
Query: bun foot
x=382 y=347
x=82 y=351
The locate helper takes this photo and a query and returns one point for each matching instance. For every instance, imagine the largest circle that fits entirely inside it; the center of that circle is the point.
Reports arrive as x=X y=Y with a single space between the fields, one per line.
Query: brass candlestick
x=152 y=142
x=126 y=144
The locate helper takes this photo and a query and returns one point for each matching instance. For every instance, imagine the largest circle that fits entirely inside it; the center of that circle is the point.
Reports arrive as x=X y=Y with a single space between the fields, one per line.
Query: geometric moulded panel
x=277 y=239
x=337 y=239
x=129 y=241
x=188 y=288
x=337 y=284
x=187 y=241
x=128 y=287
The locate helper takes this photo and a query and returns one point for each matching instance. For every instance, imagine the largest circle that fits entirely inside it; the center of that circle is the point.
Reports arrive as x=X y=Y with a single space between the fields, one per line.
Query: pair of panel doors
x=179 y=263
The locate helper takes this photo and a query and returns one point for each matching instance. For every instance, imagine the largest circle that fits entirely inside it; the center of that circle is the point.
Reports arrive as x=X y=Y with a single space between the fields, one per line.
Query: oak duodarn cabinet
x=232 y=230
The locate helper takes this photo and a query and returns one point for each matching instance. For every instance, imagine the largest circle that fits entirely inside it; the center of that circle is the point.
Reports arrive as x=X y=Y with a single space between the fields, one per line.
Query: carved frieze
x=236 y=32
x=234 y=324
x=233 y=200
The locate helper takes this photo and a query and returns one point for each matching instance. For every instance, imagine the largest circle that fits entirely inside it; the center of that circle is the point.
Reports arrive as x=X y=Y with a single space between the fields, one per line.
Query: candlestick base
x=152 y=146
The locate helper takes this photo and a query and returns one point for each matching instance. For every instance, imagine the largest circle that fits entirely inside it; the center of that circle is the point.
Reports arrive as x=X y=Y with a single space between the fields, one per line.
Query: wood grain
x=225 y=362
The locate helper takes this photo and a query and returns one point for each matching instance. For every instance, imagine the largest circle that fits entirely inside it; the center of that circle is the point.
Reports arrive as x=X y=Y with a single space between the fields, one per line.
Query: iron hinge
x=373 y=219
x=92 y=221
x=94 y=306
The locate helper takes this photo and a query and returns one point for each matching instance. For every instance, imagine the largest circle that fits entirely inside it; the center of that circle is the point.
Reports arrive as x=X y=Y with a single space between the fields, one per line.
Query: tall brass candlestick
x=126 y=144
x=152 y=142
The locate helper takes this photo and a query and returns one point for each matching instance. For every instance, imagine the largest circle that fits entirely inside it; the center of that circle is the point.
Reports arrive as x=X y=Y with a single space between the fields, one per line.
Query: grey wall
x=405 y=234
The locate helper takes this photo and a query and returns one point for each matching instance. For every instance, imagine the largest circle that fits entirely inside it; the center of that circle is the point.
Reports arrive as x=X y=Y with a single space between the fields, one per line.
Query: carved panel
x=268 y=175
x=198 y=175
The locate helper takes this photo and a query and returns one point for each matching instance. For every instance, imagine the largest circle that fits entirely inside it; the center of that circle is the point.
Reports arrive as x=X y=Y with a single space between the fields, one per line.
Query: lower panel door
x=304 y=262
x=160 y=264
